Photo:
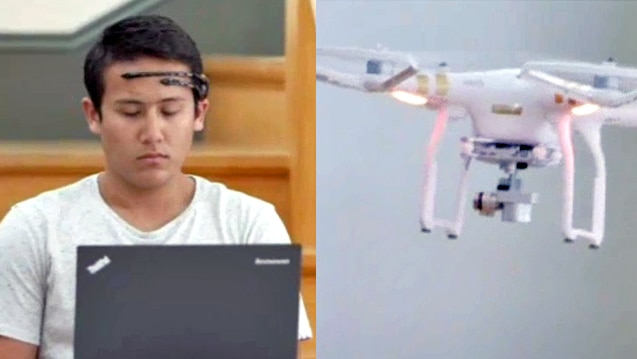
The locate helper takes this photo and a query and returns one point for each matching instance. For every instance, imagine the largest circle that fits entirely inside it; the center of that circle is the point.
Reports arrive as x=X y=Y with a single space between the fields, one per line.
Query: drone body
x=500 y=105
x=521 y=118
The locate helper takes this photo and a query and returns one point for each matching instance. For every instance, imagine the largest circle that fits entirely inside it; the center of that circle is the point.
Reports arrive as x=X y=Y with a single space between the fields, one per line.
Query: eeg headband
x=198 y=82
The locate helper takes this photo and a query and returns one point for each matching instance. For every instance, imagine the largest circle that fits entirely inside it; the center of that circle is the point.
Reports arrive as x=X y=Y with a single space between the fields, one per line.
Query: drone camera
x=515 y=205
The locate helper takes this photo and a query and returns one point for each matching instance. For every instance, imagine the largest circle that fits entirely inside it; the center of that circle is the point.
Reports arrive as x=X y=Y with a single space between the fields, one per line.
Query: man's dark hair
x=133 y=38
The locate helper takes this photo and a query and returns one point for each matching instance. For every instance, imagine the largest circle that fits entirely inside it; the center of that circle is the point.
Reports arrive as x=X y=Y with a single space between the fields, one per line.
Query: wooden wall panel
x=247 y=103
x=301 y=114
x=300 y=77
x=28 y=169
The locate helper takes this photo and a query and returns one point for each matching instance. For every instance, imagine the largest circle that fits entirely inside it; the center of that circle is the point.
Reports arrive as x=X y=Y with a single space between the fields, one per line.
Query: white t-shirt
x=38 y=239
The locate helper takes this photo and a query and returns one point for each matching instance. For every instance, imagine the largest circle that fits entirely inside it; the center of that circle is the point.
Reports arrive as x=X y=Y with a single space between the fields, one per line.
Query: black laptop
x=161 y=302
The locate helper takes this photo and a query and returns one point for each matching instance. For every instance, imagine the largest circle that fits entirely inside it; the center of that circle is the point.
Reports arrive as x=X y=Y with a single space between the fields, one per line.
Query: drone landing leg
x=429 y=187
x=455 y=228
x=591 y=134
x=568 y=173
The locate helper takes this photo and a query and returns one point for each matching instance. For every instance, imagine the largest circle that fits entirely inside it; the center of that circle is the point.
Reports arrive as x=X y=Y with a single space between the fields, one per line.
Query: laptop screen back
x=220 y=301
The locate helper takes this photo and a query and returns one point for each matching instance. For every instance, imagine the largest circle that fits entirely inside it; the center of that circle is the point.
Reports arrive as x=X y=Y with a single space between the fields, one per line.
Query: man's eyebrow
x=173 y=99
x=128 y=102
x=138 y=102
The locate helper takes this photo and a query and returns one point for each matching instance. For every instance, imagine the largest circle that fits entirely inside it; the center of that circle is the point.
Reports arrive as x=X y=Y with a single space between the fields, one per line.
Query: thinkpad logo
x=99 y=265
x=271 y=261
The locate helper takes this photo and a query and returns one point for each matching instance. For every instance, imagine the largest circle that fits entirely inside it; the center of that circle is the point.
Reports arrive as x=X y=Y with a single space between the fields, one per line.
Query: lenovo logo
x=269 y=261
x=99 y=265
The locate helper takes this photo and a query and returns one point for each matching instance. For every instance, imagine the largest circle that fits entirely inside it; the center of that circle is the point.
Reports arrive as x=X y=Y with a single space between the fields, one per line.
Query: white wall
x=44 y=17
x=502 y=290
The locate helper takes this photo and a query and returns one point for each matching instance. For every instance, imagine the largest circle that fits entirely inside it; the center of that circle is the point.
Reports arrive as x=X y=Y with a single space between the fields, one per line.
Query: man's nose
x=152 y=131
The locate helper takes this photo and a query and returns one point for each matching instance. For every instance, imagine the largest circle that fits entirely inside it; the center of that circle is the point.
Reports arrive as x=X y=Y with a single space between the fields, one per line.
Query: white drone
x=522 y=117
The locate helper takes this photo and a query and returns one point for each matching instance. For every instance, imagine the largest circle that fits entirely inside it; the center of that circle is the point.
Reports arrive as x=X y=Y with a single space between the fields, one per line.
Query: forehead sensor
x=198 y=82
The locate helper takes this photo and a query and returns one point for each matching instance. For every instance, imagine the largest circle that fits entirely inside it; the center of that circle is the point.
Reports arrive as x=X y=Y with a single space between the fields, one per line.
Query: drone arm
x=573 y=89
x=398 y=78
x=339 y=79
x=364 y=82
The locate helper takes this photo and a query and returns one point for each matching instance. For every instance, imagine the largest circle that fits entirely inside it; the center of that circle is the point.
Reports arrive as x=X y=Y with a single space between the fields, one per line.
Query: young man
x=147 y=97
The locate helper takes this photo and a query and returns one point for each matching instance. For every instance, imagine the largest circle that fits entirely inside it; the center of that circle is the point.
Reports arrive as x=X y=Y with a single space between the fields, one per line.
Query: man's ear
x=92 y=116
x=202 y=110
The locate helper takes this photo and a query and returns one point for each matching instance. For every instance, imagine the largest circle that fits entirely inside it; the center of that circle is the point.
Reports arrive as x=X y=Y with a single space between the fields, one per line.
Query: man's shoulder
x=58 y=198
x=240 y=216
x=219 y=194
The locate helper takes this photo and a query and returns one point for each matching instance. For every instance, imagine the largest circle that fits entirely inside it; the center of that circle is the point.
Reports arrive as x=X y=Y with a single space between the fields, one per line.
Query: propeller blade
x=579 y=91
x=375 y=78
x=582 y=68
x=352 y=53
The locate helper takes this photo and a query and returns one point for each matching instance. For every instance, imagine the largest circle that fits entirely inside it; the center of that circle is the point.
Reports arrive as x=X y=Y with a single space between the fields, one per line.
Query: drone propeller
x=382 y=71
x=607 y=68
x=353 y=53
x=603 y=90
x=376 y=78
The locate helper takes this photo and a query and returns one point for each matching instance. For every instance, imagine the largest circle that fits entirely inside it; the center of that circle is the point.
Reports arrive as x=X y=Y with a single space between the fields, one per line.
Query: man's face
x=146 y=127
